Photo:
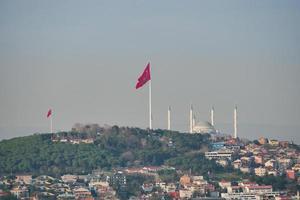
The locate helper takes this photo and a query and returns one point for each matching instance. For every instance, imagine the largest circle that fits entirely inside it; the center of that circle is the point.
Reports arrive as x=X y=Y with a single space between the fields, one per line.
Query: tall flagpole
x=235 y=122
x=191 y=119
x=169 y=118
x=212 y=119
x=150 y=108
x=51 y=128
x=144 y=78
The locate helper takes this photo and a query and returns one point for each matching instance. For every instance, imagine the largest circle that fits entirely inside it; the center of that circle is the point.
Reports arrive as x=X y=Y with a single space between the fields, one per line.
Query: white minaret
x=191 y=119
x=212 y=120
x=235 y=122
x=194 y=121
x=169 y=118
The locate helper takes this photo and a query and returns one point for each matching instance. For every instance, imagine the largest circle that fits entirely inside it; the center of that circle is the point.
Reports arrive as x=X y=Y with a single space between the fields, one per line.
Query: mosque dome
x=203 y=127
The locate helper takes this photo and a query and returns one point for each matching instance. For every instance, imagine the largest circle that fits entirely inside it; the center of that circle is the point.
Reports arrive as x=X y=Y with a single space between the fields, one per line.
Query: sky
x=83 y=58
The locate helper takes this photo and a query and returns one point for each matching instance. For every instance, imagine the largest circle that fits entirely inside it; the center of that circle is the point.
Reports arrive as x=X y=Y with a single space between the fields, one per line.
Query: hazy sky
x=82 y=58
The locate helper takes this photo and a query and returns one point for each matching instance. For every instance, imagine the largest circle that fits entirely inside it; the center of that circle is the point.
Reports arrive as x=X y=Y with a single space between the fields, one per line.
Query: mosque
x=204 y=127
x=201 y=127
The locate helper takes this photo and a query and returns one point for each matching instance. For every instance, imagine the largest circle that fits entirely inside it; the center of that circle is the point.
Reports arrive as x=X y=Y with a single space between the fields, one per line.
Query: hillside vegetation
x=112 y=148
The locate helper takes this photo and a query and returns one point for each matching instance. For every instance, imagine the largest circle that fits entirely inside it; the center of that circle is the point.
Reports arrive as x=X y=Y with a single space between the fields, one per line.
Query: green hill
x=112 y=148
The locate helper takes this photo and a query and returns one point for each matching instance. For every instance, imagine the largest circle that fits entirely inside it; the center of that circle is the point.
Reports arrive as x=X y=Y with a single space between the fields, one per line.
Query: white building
x=222 y=154
x=260 y=171
x=296 y=167
x=69 y=178
x=237 y=164
x=270 y=163
x=222 y=162
x=199 y=180
x=185 y=193
x=171 y=187
x=259 y=189
x=240 y=196
x=97 y=183
x=272 y=172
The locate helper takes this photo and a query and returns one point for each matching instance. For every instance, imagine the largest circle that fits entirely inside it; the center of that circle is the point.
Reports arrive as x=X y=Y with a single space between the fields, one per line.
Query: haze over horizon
x=83 y=58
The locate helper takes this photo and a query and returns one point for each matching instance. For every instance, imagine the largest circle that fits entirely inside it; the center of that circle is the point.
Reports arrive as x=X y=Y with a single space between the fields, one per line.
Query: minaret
x=169 y=118
x=194 y=120
x=235 y=122
x=191 y=119
x=212 y=120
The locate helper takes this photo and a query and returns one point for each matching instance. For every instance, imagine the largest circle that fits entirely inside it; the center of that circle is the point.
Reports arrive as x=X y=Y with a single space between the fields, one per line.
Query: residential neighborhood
x=261 y=158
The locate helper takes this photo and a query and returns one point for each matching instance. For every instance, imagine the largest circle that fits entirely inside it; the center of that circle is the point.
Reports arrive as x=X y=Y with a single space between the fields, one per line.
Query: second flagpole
x=51 y=128
x=150 y=106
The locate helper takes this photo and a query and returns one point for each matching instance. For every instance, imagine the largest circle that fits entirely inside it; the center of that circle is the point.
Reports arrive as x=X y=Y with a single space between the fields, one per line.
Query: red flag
x=144 y=78
x=49 y=113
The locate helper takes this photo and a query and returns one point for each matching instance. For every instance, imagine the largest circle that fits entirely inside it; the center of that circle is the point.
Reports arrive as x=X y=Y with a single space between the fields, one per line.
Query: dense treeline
x=278 y=182
x=114 y=147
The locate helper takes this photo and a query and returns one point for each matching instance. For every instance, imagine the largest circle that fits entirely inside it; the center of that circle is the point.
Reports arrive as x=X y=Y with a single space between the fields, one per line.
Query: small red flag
x=49 y=113
x=144 y=78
